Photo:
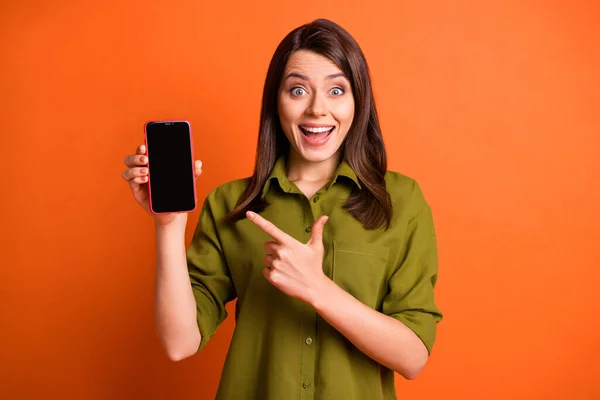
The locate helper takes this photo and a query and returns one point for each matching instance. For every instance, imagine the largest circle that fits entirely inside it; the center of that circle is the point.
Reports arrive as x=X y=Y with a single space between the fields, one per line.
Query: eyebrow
x=305 y=78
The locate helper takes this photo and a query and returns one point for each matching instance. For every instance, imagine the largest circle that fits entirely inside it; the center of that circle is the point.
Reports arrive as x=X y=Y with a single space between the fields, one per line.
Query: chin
x=314 y=155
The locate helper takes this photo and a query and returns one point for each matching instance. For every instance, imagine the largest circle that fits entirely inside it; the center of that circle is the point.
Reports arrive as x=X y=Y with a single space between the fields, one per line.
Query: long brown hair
x=363 y=147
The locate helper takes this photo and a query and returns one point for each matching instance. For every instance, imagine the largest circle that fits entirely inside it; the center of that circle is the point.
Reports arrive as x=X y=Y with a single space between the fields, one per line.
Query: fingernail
x=143 y=159
x=250 y=214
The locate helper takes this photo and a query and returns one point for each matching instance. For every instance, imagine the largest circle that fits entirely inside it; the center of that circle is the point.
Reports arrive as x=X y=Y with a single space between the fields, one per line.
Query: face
x=315 y=105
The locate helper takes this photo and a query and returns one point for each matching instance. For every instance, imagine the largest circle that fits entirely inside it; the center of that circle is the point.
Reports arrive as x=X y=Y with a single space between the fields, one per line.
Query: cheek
x=289 y=111
x=344 y=113
x=284 y=117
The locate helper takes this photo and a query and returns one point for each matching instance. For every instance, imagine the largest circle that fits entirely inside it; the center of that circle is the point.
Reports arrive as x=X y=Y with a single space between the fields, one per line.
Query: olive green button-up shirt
x=281 y=348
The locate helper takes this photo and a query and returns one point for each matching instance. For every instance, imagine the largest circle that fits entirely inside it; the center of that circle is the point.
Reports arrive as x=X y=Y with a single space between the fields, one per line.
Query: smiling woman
x=319 y=78
x=316 y=107
x=333 y=258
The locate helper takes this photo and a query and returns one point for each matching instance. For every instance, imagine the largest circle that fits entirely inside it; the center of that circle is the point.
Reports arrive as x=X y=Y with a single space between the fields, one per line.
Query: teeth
x=317 y=130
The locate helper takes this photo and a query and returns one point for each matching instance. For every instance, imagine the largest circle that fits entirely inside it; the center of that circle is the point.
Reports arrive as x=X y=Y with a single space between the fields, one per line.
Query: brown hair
x=363 y=147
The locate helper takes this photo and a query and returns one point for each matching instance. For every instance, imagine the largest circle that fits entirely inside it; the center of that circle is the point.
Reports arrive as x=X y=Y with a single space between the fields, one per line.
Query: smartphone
x=171 y=182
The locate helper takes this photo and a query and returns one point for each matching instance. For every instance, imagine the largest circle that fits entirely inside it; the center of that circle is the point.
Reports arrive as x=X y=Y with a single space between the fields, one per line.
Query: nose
x=317 y=106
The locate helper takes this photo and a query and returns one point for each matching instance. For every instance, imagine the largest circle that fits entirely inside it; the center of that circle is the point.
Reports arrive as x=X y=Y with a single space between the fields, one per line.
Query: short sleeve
x=209 y=274
x=410 y=298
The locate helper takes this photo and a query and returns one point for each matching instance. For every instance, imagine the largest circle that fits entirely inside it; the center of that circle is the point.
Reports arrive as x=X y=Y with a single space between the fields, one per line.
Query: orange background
x=492 y=106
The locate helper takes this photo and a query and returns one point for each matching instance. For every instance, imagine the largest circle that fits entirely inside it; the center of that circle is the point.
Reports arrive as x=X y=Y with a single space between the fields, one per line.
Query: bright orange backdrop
x=492 y=106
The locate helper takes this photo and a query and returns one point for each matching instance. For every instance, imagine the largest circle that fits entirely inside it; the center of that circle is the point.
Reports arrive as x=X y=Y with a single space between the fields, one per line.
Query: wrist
x=320 y=293
x=172 y=221
x=176 y=226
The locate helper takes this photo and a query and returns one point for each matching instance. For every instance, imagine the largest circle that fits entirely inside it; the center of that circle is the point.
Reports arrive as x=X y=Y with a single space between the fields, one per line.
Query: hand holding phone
x=138 y=173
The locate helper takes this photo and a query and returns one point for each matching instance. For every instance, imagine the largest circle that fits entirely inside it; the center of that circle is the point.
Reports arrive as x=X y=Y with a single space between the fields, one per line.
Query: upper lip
x=317 y=125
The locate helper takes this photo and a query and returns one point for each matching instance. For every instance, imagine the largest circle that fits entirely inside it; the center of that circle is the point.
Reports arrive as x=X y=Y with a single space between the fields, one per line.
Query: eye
x=337 y=91
x=297 y=91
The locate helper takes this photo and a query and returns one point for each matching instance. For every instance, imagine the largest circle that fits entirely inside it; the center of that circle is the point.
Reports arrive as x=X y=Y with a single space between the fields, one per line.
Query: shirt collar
x=345 y=170
x=278 y=173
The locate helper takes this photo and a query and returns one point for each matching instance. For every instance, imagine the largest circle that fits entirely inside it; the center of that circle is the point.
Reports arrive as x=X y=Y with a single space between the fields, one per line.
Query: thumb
x=316 y=239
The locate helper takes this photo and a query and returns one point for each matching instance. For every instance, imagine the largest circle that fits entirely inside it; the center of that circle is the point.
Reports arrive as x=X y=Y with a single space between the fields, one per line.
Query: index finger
x=134 y=160
x=268 y=227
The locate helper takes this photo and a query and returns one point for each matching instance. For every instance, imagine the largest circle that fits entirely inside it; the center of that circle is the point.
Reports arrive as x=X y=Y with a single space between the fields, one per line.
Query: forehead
x=311 y=64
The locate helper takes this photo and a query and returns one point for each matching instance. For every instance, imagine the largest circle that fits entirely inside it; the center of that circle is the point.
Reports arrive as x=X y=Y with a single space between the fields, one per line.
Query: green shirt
x=281 y=348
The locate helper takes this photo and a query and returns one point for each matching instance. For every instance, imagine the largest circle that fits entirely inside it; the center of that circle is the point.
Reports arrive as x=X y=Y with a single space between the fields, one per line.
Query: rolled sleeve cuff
x=207 y=320
x=423 y=324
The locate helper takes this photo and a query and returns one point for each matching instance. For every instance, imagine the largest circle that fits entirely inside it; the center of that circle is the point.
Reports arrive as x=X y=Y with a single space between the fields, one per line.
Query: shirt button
x=316 y=199
x=305 y=385
x=308 y=229
x=308 y=340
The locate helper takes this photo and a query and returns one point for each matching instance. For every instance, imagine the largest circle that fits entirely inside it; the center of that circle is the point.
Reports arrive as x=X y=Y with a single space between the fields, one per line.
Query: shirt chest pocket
x=359 y=269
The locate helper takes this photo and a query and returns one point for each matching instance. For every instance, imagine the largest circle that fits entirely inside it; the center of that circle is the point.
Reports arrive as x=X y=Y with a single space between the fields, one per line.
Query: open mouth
x=317 y=133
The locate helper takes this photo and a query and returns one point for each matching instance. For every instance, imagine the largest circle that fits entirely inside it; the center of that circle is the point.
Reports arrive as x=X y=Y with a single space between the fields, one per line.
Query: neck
x=299 y=169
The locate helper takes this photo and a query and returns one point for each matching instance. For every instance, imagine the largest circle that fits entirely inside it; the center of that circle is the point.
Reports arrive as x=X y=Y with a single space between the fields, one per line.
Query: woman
x=331 y=257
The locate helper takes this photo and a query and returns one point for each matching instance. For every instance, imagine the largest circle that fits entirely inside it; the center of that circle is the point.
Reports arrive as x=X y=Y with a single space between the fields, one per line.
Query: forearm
x=174 y=303
x=383 y=338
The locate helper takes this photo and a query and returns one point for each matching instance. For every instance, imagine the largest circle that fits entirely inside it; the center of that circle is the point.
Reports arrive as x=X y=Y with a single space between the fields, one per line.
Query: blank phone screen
x=170 y=166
